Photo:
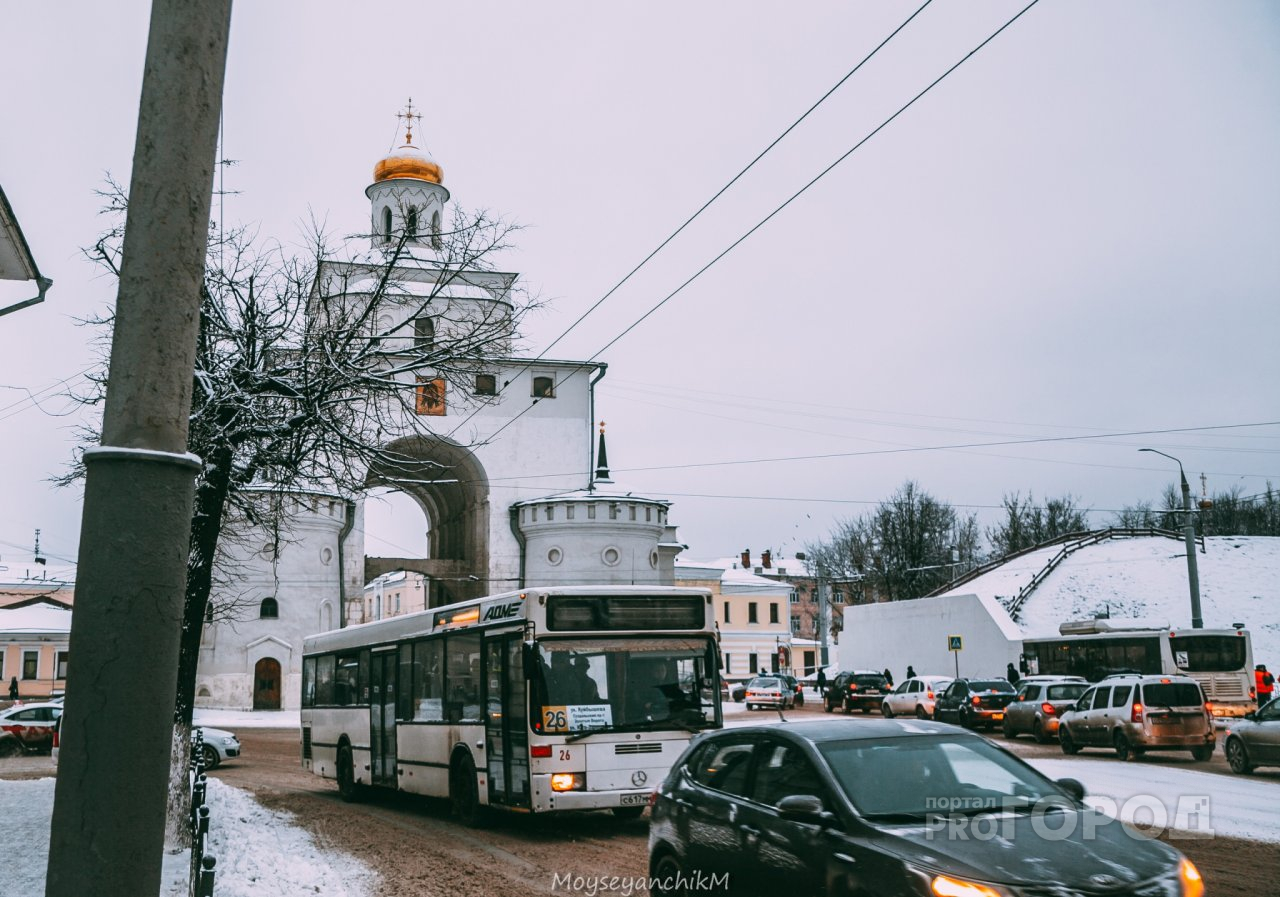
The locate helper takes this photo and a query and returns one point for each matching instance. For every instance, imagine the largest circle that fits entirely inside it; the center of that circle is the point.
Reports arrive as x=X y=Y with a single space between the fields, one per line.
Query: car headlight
x=946 y=886
x=1189 y=875
x=230 y=741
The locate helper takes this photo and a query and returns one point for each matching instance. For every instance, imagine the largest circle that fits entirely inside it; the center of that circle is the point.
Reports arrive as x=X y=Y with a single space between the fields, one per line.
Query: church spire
x=602 y=460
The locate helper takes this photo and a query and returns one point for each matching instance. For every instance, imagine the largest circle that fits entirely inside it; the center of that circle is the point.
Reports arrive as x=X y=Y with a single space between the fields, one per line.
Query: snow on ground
x=259 y=851
x=1147 y=577
x=247 y=719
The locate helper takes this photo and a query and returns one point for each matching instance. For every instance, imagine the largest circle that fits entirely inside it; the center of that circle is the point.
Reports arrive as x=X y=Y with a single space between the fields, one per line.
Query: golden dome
x=408 y=162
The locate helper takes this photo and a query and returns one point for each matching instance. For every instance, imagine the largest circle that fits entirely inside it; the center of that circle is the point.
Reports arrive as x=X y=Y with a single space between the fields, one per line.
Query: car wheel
x=866 y=710
x=464 y=794
x=1007 y=731
x=1069 y=746
x=921 y=713
x=1124 y=750
x=886 y=711
x=627 y=814
x=1238 y=757
x=209 y=756
x=1037 y=732
x=1202 y=753
x=669 y=877
x=347 y=787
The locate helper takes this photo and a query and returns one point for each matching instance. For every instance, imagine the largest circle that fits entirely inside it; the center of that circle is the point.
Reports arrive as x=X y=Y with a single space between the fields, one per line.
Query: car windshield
x=1171 y=694
x=1065 y=692
x=906 y=779
x=590 y=685
x=762 y=684
x=990 y=685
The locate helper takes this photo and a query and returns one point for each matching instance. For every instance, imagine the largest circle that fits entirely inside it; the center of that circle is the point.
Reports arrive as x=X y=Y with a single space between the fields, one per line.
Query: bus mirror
x=528 y=659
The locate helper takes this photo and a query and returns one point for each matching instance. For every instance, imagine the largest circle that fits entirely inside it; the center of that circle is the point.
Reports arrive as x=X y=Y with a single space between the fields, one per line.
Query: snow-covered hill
x=1147 y=577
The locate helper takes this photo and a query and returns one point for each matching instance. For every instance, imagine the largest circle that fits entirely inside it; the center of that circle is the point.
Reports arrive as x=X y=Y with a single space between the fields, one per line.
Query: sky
x=1072 y=235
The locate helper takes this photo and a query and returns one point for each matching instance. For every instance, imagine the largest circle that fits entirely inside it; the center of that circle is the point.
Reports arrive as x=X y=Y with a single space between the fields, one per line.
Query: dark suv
x=854 y=690
x=975 y=702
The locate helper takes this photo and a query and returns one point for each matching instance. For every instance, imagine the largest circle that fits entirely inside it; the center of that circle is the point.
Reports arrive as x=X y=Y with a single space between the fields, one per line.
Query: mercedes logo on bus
x=638 y=778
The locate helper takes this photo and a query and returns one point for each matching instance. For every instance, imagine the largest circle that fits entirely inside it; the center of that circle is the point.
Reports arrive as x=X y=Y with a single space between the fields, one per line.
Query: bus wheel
x=347 y=786
x=464 y=794
x=628 y=813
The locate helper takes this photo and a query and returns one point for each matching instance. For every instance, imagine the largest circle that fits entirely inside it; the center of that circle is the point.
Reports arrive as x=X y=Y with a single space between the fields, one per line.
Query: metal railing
x=202 y=863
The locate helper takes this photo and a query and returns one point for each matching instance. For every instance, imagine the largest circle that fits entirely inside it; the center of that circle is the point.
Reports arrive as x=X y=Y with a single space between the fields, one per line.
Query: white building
x=518 y=421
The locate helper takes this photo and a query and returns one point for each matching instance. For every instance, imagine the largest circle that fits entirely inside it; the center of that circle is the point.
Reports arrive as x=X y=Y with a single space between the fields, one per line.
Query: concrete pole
x=107 y=837
x=1193 y=572
x=824 y=623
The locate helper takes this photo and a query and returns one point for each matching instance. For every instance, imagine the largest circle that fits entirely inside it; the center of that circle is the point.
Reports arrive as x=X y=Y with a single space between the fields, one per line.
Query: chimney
x=766 y=559
x=746 y=559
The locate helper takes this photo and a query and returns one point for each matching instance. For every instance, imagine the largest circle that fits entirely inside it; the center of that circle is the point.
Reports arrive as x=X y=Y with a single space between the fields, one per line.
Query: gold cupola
x=408 y=161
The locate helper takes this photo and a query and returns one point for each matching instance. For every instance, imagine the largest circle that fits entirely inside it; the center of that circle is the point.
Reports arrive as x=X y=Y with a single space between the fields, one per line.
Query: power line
x=779 y=209
x=705 y=205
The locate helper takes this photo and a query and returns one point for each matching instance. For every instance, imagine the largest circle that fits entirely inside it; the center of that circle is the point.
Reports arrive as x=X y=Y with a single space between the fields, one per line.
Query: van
x=1133 y=714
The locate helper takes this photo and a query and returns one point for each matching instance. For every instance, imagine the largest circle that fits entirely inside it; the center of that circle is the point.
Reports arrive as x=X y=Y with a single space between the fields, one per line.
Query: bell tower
x=407 y=195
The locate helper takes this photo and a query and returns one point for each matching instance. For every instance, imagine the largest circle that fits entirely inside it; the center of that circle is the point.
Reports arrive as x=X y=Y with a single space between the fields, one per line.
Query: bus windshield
x=1208 y=653
x=623 y=684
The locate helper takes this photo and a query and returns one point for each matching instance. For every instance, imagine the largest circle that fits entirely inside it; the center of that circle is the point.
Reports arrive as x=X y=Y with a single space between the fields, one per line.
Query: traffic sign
x=954 y=643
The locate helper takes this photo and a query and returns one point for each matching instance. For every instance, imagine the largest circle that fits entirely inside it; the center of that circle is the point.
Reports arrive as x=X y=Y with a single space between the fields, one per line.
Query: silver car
x=769 y=691
x=1039 y=706
x=1255 y=740
x=218 y=745
x=915 y=697
x=1134 y=714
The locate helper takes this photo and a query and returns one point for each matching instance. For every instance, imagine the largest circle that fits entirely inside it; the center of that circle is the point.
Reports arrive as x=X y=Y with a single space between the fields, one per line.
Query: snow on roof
x=35 y=618
x=1147 y=578
x=733 y=579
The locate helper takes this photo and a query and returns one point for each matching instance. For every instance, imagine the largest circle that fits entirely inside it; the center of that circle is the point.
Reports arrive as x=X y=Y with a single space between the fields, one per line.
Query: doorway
x=266 y=684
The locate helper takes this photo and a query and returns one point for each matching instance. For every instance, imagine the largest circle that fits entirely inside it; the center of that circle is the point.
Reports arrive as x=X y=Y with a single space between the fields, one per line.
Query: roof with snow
x=33 y=619
x=1146 y=577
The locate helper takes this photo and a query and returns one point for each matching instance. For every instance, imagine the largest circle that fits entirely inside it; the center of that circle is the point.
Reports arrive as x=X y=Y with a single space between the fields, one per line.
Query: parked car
x=1255 y=740
x=1133 y=714
x=796 y=688
x=974 y=702
x=855 y=689
x=830 y=808
x=1039 y=705
x=219 y=745
x=769 y=691
x=914 y=697
x=27 y=727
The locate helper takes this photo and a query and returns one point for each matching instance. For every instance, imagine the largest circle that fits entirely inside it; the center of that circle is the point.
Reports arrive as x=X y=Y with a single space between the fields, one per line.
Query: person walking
x=911 y=671
x=1012 y=673
x=822 y=682
x=1264 y=684
x=13 y=689
x=888 y=677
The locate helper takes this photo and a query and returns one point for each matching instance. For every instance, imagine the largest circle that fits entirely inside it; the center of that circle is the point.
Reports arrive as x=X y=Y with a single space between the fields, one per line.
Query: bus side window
x=462 y=654
x=309 y=682
x=428 y=680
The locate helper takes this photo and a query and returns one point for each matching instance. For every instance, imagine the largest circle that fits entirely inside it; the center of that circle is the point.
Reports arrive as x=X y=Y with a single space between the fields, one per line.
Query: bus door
x=506 y=722
x=382 y=718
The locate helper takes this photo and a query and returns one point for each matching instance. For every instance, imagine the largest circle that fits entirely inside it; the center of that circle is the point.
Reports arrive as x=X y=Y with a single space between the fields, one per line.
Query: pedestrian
x=13 y=689
x=911 y=671
x=1012 y=673
x=888 y=677
x=822 y=682
x=1264 y=684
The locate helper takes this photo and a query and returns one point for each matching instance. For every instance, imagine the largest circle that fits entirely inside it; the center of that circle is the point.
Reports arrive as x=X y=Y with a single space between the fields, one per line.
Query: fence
x=202 y=864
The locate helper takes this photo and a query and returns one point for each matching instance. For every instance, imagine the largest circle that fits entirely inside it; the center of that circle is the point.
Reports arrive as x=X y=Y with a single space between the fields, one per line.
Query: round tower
x=407 y=195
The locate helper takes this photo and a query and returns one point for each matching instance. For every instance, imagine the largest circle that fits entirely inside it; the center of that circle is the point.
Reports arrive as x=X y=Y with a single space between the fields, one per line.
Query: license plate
x=997 y=716
x=634 y=800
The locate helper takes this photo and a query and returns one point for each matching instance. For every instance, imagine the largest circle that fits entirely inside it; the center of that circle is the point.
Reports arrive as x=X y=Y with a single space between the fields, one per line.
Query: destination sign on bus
x=575 y=717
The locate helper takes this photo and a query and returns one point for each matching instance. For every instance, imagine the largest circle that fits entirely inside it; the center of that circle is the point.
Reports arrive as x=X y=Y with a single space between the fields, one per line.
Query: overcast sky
x=1073 y=235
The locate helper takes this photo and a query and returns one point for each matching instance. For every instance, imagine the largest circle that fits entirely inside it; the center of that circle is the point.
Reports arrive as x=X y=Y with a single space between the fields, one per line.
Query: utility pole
x=107 y=834
x=824 y=623
x=1189 y=532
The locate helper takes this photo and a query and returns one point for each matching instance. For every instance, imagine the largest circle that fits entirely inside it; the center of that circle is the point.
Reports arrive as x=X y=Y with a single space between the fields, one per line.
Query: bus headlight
x=1192 y=883
x=568 y=781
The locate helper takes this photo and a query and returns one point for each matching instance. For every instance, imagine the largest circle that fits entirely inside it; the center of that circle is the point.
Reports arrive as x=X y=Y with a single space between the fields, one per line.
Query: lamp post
x=1189 y=529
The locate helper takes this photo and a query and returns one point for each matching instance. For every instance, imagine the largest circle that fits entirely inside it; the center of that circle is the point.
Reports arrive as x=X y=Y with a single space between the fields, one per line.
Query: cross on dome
x=409 y=115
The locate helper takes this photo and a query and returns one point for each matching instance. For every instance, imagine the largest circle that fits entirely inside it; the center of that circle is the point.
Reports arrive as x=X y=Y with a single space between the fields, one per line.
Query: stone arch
x=451 y=487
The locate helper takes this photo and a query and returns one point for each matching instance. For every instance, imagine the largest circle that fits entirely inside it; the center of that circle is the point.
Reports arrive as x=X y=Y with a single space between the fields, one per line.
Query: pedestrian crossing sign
x=953 y=643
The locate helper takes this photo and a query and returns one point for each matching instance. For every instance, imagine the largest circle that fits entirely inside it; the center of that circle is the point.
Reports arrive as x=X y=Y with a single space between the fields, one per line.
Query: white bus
x=1221 y=660
x=545 y=699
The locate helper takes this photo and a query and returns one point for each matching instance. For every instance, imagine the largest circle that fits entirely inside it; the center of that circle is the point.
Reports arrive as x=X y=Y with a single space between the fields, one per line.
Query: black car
x=856 y=691
x=975 y=702
x=887 y=808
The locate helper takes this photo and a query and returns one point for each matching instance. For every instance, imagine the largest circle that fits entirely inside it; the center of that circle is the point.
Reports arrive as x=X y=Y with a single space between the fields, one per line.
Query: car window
x=1086 y=701
x=1029 y=693
x=1269 y=713
x=902 y=689
x=1171 y=694
x=784 y=771
x=1000 y=685
x=1065 y=692
x=1120 y=695
x=26 y=716
x=916 y=686
x=723 y=765
x=1100 y=698
x=763 y=683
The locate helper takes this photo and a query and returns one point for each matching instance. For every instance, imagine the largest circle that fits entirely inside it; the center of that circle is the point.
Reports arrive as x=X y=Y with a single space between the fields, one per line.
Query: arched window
x=424 y=333
x=435 y=229
x=386 y=222
x=411 y=226
x=269 y=609
x=544 y=388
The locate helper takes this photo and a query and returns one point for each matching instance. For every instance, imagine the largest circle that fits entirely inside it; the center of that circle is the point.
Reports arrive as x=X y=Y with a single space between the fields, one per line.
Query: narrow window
x=411 y=225
x=726 y=612
x=633 y=511
x=269 y=609
x=613 y=512
x=424 y=333
x=568 y=511
x=386 y=222
x=551 y=512
x=753 y=663
x=773 y=613
x=62 y=665
x=486 y=385
x=752 y=613
x=431 y=396
x=544 y=388
x=30 y=664
x=435 y=229
x=728 y=663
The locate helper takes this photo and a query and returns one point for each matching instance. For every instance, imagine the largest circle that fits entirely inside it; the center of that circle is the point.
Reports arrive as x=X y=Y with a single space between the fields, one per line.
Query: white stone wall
x=609 y=548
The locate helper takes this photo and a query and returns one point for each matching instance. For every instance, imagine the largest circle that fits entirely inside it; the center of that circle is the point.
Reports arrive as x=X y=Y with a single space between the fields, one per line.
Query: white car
x=219 y=745
x=27 y=727
x=914 y=697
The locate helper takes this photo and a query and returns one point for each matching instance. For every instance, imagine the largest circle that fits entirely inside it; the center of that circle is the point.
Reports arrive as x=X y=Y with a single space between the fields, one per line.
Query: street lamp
x=1189 y=529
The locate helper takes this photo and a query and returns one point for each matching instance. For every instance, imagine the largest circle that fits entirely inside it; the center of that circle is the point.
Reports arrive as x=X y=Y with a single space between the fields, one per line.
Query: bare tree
x=1027 y=524
x=308 y=367
x=909 y=545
